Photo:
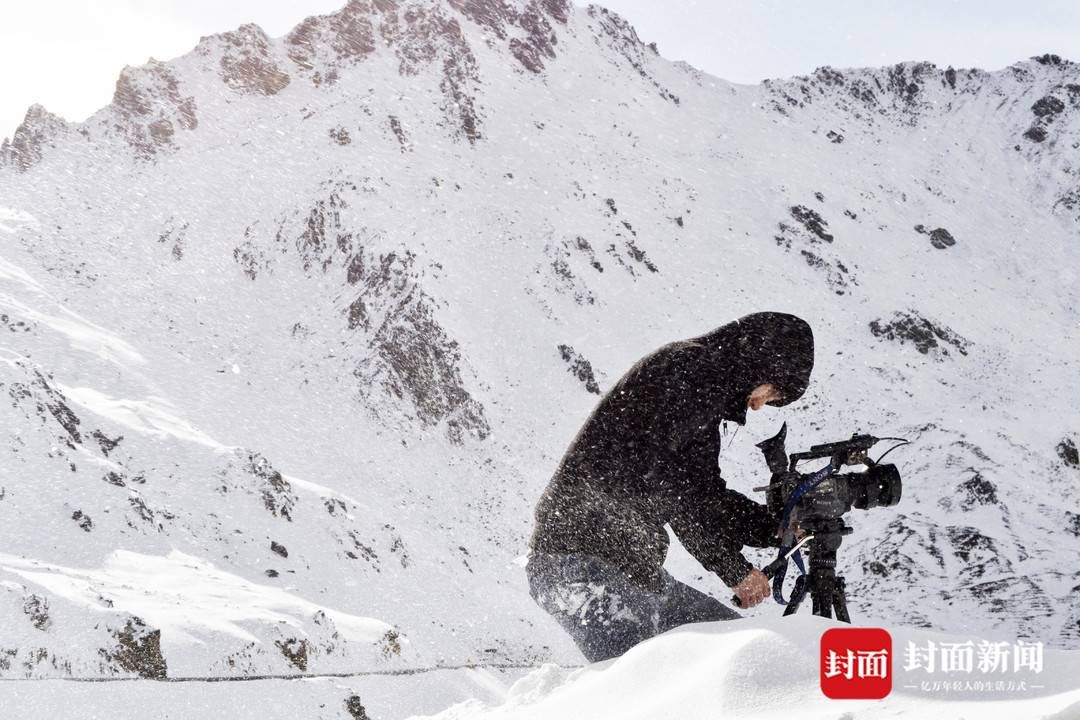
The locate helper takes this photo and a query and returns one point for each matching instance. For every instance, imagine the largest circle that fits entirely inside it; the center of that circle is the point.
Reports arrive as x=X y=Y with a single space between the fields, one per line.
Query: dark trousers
x=604 y=612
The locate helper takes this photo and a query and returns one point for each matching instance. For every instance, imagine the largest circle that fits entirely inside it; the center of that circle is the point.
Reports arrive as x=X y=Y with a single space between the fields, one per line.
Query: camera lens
x=880 y=486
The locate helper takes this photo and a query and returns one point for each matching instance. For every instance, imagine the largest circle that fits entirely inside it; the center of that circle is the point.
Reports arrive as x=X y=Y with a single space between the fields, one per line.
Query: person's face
x=761 y=395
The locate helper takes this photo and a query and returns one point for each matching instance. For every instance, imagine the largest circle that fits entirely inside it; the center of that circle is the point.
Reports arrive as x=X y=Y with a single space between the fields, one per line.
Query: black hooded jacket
x=648 y=454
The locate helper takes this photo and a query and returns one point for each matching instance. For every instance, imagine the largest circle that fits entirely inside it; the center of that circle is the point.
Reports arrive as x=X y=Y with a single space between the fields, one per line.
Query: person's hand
x=753 y=589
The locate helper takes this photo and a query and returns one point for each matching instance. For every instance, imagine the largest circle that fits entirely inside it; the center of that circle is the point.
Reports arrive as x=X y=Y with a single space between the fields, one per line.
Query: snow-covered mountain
x=298 y=328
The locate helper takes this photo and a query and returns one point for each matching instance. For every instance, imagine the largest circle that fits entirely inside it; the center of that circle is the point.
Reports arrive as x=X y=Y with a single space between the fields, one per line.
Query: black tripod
x=826 y=588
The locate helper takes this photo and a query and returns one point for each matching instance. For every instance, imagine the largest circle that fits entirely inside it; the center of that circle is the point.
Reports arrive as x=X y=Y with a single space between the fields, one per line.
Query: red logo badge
x=856 y=663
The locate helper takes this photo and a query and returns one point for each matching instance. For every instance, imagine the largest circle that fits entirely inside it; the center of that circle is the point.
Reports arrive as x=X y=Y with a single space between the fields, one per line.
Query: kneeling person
x=647 y=457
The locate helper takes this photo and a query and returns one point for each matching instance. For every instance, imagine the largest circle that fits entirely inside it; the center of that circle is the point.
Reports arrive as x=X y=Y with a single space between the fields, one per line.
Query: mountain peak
x=38 y=129
x=247 y=60
x=150 y=105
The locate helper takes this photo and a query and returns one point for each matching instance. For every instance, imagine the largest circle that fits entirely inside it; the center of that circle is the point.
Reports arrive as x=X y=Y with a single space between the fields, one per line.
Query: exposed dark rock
x=876 y=567
x=834 y=137
x=138 y=650
x=941 y=238
x=584 y=246
x=150 y=106
x=14 y=325
x=977 y=490
x=355 y=709
x=38 y=130
x=423 y=362
x=348 y=34
x=340 y=135
x=1072 y=522
x=247 y=64
x=365 y=550
x=1048 y=59
x=83 y=520
x=638 y=255
x=141 y=509
x=820 y=197
x=465 y=555
x=323 y=233
x=950 y=77
x=809 y=234
x=979 y=553
x=107 y=444
x=910 y=327
x=811 y=221
x=278 y=549
x=397 y=546
x=270 y=573
x=56 y=404
x=580 y=368
x=624 y=40
x=421 y=35
x=566 y=281
x=894 y=557
x=276 y=492
x=829 y=76
x=494 y=15
x=1047 y=107
x=1036 y=133
x=178 y=238
x=250 y=258
x=37 y=609
x=390 y=644
x=114 y=478
x=1067 y=451
x=905 y=81
x=431 y=35
x=413 y=357
x=399 y=133
x=295 y=651
x=539 y=41
x=558 y=9
x=1069 y=200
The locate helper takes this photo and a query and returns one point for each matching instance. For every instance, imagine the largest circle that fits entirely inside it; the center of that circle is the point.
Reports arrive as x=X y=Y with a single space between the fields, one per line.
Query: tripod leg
x=797 y=595
x=821 y=598
x=840 y=601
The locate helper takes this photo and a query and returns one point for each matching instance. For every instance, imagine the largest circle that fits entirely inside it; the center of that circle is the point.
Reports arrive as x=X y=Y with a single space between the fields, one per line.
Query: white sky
x=66 y=54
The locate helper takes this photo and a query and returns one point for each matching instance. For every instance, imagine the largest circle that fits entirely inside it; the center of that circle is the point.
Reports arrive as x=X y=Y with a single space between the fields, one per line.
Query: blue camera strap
x=805 y=485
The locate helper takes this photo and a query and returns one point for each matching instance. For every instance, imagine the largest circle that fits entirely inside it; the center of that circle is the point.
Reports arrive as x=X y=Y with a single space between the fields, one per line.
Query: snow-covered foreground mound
x=752 y=668
x=771 y=669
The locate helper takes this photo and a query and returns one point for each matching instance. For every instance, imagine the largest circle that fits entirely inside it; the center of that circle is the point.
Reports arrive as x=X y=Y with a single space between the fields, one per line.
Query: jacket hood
x=764 y=347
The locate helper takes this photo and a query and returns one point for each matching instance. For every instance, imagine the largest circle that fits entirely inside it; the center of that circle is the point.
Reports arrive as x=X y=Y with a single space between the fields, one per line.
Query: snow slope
x=297 y=329
x=764 y=670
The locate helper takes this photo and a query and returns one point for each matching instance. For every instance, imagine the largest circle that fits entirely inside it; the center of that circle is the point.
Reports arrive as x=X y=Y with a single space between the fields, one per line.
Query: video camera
x=816 y=503
x=826 y=493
